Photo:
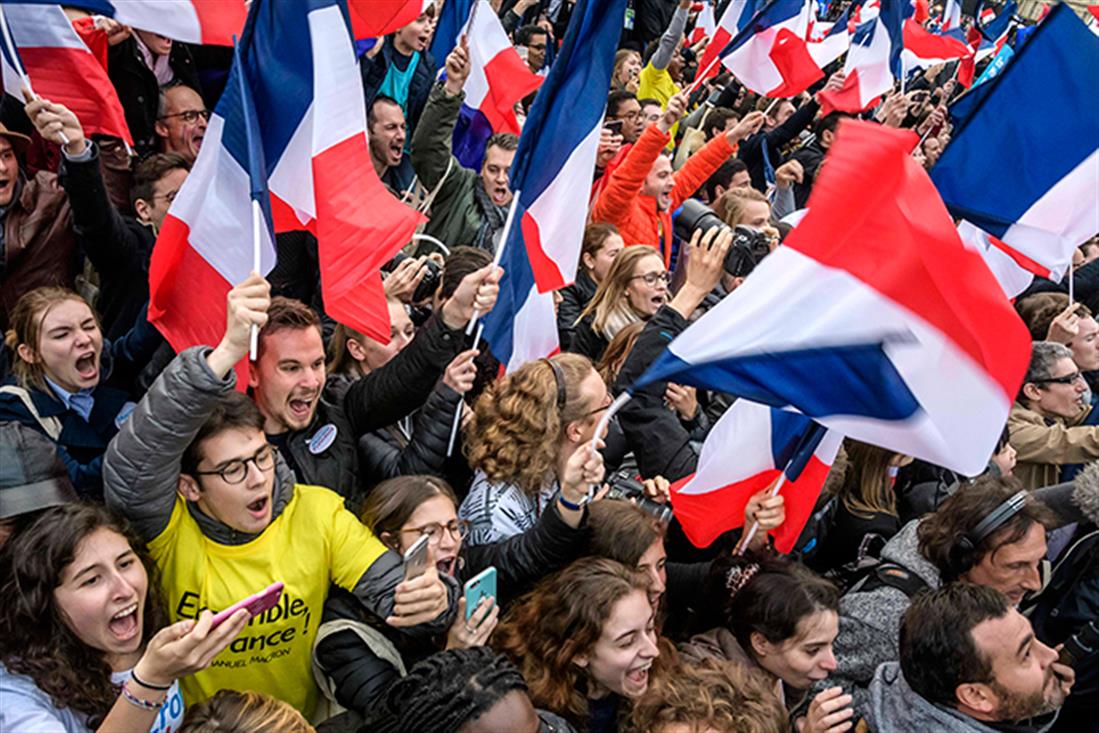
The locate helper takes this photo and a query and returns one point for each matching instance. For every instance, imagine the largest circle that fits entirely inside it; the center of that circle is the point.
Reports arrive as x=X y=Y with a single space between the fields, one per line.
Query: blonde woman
x=633 y=290
x=627 y=69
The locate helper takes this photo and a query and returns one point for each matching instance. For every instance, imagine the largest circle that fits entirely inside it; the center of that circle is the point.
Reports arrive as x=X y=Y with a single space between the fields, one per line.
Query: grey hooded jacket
x=894 y=707
x=142 y=465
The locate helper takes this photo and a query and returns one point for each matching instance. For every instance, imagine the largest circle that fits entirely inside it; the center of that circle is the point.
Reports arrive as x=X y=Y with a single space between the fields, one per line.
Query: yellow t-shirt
x=654 y=83
x=315 y=541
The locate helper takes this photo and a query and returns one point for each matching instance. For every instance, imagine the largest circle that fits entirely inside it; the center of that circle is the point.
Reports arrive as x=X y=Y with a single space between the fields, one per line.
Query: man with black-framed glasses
x=1045 y=421
x=181 y=121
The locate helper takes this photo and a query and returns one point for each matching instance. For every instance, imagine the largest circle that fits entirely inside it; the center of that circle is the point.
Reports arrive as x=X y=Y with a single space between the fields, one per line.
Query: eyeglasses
x=236 y=471
x=1067 y=379
x=653 y=277
x=190 y=116
x=458 y=530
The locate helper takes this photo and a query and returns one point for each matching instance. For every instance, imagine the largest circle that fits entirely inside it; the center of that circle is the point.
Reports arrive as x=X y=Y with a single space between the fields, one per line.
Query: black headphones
x=963 y=553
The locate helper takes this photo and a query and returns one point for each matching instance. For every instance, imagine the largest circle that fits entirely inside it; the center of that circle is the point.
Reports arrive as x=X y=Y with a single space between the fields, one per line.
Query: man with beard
x=970 y=663
x=388 y=131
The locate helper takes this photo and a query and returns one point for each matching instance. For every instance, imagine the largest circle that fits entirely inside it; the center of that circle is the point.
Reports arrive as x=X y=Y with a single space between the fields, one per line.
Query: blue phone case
x=480 y=586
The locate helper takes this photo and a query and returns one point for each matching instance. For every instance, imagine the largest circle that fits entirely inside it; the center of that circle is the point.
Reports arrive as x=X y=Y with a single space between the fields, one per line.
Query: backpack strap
x=891 y=575
x=51 y=425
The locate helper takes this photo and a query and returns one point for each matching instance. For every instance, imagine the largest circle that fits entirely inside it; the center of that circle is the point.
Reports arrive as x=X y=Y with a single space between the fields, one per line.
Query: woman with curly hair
x=586 y=642
x=529 y=441
x=633 y=290
x=79 y=640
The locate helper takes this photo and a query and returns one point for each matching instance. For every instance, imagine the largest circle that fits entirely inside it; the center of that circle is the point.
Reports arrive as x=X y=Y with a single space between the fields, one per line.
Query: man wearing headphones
x=990 y=532
x=969 y=663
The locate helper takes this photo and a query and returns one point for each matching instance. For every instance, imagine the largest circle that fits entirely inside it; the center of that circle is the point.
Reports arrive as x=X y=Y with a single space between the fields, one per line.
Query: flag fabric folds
x=744 y=453
x=952 y=15
x=498 y=79
x=922 y=48
x=873 y=62
x=60 y=66
x=452 y=19
x=736 y=15
x=705 y=25
x=1014 y=271
x=1050 y=205
x=769 y=55
x=298 y=63
x=211 y=22
x=376 y=18
x=854 y=320
x=552 y=175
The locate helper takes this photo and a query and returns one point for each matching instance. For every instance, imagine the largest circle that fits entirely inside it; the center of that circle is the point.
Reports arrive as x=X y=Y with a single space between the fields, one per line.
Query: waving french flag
x=872 y=319
x=952 y=15
x=60 y=67
x=1013 y=270
x=873 y=62
x=211 y=22
x=922 y=48
x=1050 y=205
x=498 y=79
x=769 y=55
x=299 y=67
x=705 y=25
x=744 y=453
x=551 y=177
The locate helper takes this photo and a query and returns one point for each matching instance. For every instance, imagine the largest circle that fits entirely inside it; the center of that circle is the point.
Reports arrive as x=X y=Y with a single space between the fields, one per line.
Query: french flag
x=1013 y=270
x=377 y=18
x=736 y=16
x=551 y=177
x=208 y=22
x=299 y=66
x=922 y=48
x=745 y=452
x=705 y=25
x=769 y=56
x=857 y=317
x=498 y=78
x=952 y=15
x=60 y=67
x=873 y=62
x=1050 y=206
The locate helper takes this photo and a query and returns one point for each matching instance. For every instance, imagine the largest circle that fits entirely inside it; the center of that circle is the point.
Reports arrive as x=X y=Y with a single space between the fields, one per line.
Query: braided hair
x=445 y=691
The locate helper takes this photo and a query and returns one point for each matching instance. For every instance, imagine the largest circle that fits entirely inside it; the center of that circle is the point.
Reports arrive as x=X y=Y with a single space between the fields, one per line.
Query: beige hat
x=18 y=140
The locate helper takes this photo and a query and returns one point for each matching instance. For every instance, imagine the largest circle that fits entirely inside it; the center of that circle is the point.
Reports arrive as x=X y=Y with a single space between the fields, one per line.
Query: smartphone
x=256 y=604
x=415 y=560
x=481 y=585
x=614 y=126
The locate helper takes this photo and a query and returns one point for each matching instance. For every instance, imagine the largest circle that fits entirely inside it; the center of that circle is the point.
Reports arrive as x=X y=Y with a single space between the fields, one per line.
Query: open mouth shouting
x=87 y=368
x=301 y=408
x=125 y=624
x=637 y=679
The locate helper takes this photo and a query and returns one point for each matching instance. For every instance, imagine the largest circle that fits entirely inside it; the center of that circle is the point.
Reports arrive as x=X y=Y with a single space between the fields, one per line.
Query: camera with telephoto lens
x=748 y=248
x=624 y=485
x=1083 y=643
x=428 y=285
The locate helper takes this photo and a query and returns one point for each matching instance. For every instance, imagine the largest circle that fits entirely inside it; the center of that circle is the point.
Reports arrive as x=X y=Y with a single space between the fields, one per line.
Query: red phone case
x=256 y=604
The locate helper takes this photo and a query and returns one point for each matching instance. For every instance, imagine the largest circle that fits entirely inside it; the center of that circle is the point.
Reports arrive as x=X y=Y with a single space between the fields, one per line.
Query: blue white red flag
x=552 y=175
x=210 y=22
x=922 y=48
x=498 y=79
x=995 y=29
x=835 y=41
x=60 y=67
x=1051 y=206
x=452 y=18
x=1013 y=270
x=769 y=55
x=732 y=21
x=855 y=319
x=873 y=62
x=952 y=15
x=705 y=24
x=299 y=66
x=744 y=453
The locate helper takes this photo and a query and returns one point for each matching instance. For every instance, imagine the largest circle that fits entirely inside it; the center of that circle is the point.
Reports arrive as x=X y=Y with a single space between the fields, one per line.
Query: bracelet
x=138 y=702
x=574 y=507
x=146 y=685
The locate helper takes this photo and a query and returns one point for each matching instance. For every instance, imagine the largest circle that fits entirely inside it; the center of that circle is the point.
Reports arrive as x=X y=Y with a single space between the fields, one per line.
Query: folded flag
x=1048 y=204
x=299 y=66
x=835 y=41
x=498 y=79
x=1013 y=270
x=60 y=67
x=769 y=55
x=745 y=452
x=922 y=48
x=952 y=15
x=854 y=320
x=873 y=62
x=210 y=22
x=551 y=177
x=732 y=21
x=705 y=25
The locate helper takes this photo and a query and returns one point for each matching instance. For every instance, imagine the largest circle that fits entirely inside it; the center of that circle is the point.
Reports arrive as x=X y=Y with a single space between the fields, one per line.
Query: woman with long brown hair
x=633 y=290
x=600 y=247
x=529 y=443
x=80 y=630
x=586 y=642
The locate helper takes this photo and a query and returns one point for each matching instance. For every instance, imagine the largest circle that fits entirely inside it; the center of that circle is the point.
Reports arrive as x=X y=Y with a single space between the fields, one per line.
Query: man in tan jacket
x=1045 y=419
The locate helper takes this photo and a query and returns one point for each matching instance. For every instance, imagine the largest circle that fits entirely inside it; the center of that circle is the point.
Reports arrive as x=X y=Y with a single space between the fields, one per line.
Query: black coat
x=574 y=299
x=387 y=453
x=138 y=90
x=119 y=247
x=587 y=342
x=360 y=678
x=751 y=150
x=379 y=399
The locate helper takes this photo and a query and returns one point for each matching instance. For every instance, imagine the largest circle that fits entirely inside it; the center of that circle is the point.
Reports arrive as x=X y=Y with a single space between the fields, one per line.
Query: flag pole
x=257 y=222
x=18 y=64
x=702 y=77
x=480 y=328
x=1071 y=283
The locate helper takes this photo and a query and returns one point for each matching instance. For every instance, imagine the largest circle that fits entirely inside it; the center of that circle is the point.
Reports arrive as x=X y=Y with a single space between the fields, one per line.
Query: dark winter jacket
x=360 y=676
x=390 y=451
x=139 y=91
x=810 y=158
x=574 y=299
x=751 y=150
x=587 y=342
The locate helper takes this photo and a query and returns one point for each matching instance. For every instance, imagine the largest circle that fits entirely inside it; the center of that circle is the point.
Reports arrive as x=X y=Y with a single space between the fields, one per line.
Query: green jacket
x=455 y=217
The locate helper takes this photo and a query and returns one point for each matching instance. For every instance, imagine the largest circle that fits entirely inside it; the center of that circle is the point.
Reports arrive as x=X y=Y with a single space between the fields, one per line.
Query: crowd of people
x=145 y=493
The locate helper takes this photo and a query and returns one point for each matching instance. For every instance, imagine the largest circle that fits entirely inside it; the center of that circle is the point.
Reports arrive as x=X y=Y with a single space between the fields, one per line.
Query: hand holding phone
x=256 y=604
x=482 y=585
x=415 y=559
x=614 y=126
